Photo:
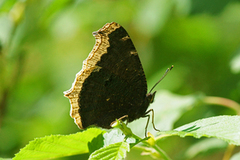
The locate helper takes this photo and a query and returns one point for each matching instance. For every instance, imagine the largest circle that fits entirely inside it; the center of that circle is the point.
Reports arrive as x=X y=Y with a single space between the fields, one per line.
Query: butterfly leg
x=125 y=116
x=148 y=116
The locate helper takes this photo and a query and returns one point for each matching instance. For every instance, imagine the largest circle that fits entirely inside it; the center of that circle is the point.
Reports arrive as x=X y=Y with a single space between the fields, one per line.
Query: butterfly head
x=150 y=97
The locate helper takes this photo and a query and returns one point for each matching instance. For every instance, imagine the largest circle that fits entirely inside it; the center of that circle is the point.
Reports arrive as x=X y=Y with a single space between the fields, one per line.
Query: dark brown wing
x=111 y=83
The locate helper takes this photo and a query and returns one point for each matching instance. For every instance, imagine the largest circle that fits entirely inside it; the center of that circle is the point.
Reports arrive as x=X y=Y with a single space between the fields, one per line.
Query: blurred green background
x=43 y=44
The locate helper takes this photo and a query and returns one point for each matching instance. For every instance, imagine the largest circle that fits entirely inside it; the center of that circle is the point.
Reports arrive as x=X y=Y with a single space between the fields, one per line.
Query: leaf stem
x=161 y=152
x=228 y=152
x=156 y=147
x=223 y=102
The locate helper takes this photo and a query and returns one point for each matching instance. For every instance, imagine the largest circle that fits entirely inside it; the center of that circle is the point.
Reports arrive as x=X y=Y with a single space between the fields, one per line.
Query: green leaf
x=55 y=146
x=116 y=135
x=221 y=127
x=114 y=151
x=236 y=156
x=96 y=143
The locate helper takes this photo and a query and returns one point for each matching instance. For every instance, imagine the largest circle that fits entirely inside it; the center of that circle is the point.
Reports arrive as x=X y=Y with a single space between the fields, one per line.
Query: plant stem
x=228 y=152
x=161 y=152
x=223 y=102
x=156 y=147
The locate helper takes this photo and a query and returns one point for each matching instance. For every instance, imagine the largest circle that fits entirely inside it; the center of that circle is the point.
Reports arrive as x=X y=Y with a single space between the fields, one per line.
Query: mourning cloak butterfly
x=112 y=82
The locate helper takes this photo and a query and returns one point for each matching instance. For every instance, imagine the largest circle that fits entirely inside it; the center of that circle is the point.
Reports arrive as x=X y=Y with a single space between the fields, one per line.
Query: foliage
x=222 y=127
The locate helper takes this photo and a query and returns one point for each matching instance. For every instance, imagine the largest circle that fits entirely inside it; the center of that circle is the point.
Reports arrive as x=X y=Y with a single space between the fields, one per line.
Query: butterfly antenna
x=168 y=70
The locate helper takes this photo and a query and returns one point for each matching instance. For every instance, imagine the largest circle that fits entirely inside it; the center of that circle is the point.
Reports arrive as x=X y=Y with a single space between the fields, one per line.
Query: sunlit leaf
x=221 y=127
x=112 y=152
x=55 y=146
x=236 y=156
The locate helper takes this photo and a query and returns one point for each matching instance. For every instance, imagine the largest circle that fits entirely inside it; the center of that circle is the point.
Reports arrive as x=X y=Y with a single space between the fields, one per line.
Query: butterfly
x=112 y=83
